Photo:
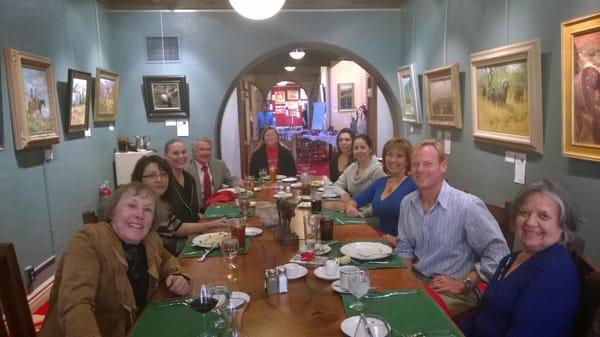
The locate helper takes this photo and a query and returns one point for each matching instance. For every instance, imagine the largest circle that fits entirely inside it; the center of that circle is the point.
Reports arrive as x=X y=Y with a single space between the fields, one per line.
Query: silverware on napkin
x=391 y=293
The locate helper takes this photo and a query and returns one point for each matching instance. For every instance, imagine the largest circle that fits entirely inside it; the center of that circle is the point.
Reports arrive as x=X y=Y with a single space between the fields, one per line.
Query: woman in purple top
x=534 y=292
x=386 y=193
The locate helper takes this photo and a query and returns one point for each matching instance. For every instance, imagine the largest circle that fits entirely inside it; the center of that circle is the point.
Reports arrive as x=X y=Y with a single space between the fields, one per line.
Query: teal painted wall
x=476 y=25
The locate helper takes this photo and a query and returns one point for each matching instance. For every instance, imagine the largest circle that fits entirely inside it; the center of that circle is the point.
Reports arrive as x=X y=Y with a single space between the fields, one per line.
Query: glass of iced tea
x=273 y=173
x=238 y=231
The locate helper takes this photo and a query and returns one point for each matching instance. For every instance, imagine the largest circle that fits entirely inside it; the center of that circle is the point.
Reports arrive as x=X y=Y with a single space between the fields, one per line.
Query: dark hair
x=344 y=130
x=365 y=138
x=570 y=214
x=140 y=166
x=397 y=143
x=107 y=206
x=171 y=142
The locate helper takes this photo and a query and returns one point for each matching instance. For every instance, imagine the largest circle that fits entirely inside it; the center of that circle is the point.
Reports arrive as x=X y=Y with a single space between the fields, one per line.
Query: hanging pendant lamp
x=257 y=9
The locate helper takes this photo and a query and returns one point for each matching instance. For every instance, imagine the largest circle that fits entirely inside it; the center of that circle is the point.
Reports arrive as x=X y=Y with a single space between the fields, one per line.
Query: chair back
x=89 y=217
x=504 y=219
x=587 y=323
x=15 y=317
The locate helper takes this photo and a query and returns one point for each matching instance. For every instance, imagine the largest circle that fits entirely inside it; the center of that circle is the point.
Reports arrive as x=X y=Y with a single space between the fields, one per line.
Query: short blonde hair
x=435 y=144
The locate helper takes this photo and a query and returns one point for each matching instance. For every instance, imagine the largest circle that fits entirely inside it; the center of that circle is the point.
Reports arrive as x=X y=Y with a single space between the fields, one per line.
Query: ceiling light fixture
x=257 y=10
x=289 y=68
x=297 y=54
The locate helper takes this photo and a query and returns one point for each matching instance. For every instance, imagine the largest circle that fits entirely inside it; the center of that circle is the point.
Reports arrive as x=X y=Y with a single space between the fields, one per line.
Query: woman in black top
x=272 y=153
x=343 y=156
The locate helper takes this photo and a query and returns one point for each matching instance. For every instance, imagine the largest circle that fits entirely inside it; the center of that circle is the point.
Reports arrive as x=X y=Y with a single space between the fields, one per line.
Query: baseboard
x=40 y=295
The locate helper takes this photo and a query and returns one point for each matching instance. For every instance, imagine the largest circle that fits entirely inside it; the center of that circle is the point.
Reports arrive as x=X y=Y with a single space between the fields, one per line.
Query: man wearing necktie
x=210 y=173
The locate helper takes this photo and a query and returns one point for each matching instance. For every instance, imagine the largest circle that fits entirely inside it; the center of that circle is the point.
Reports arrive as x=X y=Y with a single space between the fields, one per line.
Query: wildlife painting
x=502 y=98
x=165 y=95
x=78 y=101
x=35 y=85
x=440 y=91
x=106 y=99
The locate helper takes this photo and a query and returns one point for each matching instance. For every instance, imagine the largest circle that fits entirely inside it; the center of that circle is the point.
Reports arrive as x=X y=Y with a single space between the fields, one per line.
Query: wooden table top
x=310 y=307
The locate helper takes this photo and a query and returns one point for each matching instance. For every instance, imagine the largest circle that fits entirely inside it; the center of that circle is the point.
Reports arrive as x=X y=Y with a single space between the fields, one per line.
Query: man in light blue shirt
x=448 y=237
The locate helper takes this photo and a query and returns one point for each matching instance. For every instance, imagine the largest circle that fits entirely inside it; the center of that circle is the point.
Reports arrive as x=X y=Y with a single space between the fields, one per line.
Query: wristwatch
x=468 y=283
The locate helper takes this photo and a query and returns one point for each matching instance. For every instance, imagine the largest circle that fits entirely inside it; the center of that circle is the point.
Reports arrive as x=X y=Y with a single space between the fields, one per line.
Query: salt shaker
x=271 y=282
x=282 y=280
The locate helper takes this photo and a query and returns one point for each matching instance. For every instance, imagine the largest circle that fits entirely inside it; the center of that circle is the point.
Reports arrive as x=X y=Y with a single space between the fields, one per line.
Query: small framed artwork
x=442 y=96
x=106 y=96
x=166 y=96
x=32 y=96
x=410 y=100
x=581 y=87
x=345 y=97
x=279 y=97
x=506 y=96
x=78 y=100
x=292 y=95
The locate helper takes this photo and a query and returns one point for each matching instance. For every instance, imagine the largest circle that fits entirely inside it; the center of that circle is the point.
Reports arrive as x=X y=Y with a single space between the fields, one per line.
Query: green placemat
x=407 y=313
x=340 y=217
x=173 y=321
x=219 y=211
x=393 y=261
x=190 y=251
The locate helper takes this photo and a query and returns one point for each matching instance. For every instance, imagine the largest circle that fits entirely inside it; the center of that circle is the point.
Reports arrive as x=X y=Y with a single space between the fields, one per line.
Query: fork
x=203 y=256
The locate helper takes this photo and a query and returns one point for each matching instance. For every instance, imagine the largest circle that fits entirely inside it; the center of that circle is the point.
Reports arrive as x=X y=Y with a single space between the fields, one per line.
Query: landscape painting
x=106 y=97
x=35 y=85
x=442 y=94
x=346 y=97
x=78 y=102
x=409 y=94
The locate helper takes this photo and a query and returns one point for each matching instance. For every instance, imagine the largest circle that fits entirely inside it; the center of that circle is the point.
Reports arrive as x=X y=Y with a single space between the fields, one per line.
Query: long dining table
x=310 y=307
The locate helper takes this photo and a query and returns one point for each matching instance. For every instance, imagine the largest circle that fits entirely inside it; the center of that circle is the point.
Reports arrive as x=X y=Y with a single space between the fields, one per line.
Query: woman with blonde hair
x=272 y=153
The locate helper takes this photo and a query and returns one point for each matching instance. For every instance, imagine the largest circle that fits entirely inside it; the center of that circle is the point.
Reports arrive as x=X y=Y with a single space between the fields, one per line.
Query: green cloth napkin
x=173 y=321
x=394 y=260
x=408 y=313
x=219 y=211
x=190 y=251
x=340 y=217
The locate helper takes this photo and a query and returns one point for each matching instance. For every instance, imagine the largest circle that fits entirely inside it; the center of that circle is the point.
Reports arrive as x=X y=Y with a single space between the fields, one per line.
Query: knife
x=391 y=293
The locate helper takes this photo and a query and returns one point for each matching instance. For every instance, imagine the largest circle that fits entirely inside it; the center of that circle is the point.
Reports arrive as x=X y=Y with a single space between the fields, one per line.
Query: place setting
x=211 y=244
x=368 y=254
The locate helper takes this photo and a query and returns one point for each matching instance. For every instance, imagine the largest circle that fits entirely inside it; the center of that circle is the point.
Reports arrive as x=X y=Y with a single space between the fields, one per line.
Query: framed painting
x=345 y=97
x=106 y=96
x=32 y=97
x=410 y=101
x=506 y=96
x=78 y=100
x=580 y=50
x=293 y=95
x=442 y=96
x=279 y=97
x=166 y=96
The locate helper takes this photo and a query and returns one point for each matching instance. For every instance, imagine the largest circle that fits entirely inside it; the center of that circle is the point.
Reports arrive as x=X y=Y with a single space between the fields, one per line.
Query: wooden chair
x=89 y=217
x=504 y=219
x=15 y=317
x=587 y=323
x=304 y=150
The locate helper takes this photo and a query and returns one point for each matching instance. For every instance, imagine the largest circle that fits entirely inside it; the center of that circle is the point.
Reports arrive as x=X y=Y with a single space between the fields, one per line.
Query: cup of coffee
x=331 y=268
x=345 y=273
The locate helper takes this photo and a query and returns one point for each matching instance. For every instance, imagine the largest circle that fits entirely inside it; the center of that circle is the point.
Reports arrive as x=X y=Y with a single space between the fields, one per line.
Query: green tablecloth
x=340 y=217
x=394 y=260
x=219 y=211
x=190 y=251
x=173 y=321
x=408 y=313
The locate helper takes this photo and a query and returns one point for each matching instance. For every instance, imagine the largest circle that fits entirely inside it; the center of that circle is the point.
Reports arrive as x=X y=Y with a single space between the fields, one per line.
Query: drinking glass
x=263 y=174
x=204 y=303
x=229 y=249
x=311 y=230
x=244 y=204
x=233 y=310
x=221 y=293
x=373 y=326
x=238 y=231
x=359 y=286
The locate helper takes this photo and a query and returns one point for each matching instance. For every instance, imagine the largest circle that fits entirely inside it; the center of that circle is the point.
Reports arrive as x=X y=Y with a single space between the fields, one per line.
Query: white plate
x=232 y=190
x=256 y=189
x=296 y=185
x=240 y=294
x=285 y=196
x=320 y=189
x=304 y=204
x=305 y=198
x=253 y=231
x=332 y=195
x=295 y=271
x=207 y=240
x=320 y=273
x=289 y=179
x=367 y=250
x=338 y=288
x=252 y=203
x=322 y=250
x=280 y=176
x=349 y=325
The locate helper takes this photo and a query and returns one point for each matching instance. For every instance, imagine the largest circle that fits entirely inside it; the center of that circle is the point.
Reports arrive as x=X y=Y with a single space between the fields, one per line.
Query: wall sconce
x=257 y=10
x=289 y=68
x=297 y=54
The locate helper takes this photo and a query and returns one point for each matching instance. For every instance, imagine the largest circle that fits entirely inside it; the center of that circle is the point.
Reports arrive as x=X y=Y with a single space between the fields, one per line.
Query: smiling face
x=361 y=150
x=396 y=162
x=426 y=168
x=344 y=142
x=176 y=156
x=271 y=138
x=202 y=152
x=537 y=223
x=156 y=178
x=133 y=215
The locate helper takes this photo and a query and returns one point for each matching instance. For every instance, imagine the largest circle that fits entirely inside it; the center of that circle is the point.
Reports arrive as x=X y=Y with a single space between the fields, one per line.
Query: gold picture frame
x=580 y=38
x=106 y=96
x=506 y=96
x=345 y=93
x=32 y=96
x=410 y=99
x=442 y=96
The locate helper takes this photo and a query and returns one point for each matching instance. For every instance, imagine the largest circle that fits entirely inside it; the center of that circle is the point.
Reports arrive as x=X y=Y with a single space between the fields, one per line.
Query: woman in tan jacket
x=109 y=270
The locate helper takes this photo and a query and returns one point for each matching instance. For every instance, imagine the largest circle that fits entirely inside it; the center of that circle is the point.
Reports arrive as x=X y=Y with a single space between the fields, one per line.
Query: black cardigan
x=286 y=164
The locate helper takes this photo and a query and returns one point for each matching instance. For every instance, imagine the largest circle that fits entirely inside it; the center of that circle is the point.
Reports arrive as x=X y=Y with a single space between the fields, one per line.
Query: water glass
x=359 y=284
x=311 y=230
x=262 y=173
x=372 y=326
x=229 y=249
x=244 y=204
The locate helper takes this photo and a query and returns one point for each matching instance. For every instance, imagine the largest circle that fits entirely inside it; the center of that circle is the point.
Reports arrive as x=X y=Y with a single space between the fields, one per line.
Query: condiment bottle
x=271 y=282
x=282 y=280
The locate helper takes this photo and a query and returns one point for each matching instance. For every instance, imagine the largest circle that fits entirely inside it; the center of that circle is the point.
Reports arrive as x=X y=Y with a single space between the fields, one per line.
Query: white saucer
x=349 y=325
x=252 y=203
x=305 y=198
x=337 y=288
x=284 y=196
x=256 y=189
x=240 y=294
x=320 y=273
x=324 y=249
x=304 y=204
x=296 y=185
x=289 y=179
x=280 y=176
x=332 y=195
x=295 y=271
x=253 y=231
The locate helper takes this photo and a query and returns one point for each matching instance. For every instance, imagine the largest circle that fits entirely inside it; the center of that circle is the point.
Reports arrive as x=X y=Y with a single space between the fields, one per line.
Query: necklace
x=390 y=186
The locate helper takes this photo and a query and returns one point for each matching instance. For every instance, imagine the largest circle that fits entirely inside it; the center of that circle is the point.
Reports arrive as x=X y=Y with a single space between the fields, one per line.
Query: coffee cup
x=331 y=267
x=345 y=273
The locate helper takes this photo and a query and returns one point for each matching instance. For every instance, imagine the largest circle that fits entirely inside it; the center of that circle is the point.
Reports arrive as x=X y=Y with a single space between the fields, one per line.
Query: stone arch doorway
x=238 y=93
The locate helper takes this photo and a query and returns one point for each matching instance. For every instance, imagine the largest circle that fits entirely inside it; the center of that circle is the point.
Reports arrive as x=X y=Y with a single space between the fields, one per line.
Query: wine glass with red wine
x=204 y=303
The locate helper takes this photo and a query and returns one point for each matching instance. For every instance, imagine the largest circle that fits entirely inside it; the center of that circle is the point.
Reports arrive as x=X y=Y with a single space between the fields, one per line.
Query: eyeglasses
x=155 y=176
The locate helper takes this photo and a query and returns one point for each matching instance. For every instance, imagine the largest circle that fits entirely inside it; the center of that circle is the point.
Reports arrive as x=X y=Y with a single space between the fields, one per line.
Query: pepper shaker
x=271 y=282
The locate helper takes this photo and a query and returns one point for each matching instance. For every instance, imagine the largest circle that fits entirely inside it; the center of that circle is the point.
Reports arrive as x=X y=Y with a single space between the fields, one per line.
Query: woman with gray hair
x=534 y=292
